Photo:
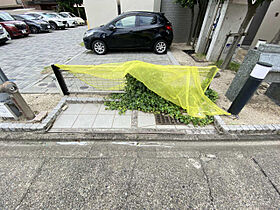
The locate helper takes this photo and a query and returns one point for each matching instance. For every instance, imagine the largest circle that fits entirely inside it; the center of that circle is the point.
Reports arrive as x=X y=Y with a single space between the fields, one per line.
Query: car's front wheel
x=99 y=47
x=34 y=30
x=160 y=47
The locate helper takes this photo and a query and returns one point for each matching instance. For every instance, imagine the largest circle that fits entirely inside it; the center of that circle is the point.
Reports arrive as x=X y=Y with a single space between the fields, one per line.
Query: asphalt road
x=130 y=175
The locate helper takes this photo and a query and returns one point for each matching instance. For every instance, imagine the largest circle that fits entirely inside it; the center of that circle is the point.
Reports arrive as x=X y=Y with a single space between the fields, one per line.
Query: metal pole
x=12 y=89
x=60 y=80
x=3 y=77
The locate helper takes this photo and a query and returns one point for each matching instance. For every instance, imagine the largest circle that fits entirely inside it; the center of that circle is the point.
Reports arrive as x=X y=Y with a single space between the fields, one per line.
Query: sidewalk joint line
x=264 y=173
x=208 y=183
x=38 y=171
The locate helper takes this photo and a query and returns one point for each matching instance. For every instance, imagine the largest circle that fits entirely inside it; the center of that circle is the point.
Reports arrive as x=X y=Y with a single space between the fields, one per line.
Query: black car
x=35 y=25
x=131 y=30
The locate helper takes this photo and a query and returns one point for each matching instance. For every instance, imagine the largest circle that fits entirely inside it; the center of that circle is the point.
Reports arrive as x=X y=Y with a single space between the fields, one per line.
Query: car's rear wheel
x=34 y=30
x=53 y=26
x=160 y=47
x=99 y=47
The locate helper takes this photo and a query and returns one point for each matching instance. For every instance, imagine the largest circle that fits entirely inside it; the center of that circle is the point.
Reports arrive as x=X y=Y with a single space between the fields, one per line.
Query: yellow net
x=182 y=85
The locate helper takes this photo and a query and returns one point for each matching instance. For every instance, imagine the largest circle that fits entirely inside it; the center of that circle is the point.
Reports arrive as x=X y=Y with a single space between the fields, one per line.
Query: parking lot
x=24 y=59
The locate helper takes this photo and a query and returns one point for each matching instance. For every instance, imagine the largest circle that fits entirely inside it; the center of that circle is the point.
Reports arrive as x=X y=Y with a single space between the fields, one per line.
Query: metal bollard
x=12 y=89
x=60 y=80
x=256 y=77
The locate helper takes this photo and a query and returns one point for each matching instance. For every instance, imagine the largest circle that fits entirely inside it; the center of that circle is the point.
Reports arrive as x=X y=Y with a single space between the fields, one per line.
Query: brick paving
x=23 y=59
x=89 y=58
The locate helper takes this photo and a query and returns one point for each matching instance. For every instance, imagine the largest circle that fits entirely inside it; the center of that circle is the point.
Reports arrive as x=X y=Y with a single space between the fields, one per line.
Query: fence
x=80 y=83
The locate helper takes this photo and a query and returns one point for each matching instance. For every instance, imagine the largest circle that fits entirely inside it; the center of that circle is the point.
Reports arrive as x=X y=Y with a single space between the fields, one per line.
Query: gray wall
x=180 y=19
x=270 y=24
x=256 y=23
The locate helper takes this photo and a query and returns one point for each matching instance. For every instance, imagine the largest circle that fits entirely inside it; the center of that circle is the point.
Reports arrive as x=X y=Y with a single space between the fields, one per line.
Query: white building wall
x=100 y=12
x=157 y=5
x=136 y=5
x=232 y=15
x=206 y=26
x=270 y=24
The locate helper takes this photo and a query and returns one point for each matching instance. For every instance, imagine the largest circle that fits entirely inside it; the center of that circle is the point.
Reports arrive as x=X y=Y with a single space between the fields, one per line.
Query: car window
x=63 y=15
x=28 y=17
x=6 y=16
x=127 y=22
x=19 y=18
x=147 y=20
x=34 y=15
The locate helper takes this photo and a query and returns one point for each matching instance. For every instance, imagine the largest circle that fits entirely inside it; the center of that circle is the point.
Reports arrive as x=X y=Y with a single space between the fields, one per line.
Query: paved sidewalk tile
x=103 y=121
x=146 y=120
x=122 y=121
x=84 y=121
x=143 y=113
x=102 y=111
x=65 y=121
x=73 y=109
x=179 y=127
x=166 y=127
x=90 y=109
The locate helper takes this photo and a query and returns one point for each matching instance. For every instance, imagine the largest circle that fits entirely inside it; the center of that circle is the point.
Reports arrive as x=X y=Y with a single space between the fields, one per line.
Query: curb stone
x=245 y=129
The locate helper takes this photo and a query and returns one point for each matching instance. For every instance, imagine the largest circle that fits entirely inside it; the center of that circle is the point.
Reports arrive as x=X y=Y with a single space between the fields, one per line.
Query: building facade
x=36 y=4
x=269 y=25
x=11 y=4
x=41 y=4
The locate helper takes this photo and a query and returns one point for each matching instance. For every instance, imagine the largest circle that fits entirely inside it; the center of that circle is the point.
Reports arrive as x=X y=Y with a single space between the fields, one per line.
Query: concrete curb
x=222 y=127
x=42 y=137
x=48 y=121
x=39 y=127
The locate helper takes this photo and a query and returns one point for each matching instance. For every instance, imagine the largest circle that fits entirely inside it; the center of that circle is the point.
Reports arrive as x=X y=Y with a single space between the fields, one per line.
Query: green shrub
x=233 y=66
x=138 y=97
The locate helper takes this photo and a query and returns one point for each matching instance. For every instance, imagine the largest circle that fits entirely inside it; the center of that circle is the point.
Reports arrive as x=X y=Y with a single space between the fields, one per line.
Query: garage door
x=179 y=17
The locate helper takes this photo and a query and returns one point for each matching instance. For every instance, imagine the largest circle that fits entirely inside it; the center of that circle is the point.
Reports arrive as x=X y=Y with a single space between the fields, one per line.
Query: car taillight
x=168 y=28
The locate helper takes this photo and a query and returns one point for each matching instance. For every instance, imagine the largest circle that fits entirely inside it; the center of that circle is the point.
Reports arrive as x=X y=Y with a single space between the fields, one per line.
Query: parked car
x=131 y=30
x=56 y=23
x=14 y=27
x=4 y=35
x=79 y=20
x=70 y=21
x=35 y=25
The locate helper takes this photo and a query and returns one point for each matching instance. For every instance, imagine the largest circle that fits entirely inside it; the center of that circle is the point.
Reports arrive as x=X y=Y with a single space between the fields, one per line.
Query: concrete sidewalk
x=139 y=175
x=93 y=116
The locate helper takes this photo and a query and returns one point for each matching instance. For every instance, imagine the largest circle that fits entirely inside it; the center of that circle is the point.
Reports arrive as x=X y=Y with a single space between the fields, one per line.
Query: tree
x=251 y=10
x=68 y=5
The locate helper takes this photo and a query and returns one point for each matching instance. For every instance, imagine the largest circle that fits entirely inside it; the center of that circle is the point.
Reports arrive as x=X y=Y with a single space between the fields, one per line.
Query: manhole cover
x=166 y=120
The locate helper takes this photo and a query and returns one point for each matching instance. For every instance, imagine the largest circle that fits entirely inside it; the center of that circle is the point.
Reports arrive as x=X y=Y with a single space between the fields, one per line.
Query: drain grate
x=166 y=120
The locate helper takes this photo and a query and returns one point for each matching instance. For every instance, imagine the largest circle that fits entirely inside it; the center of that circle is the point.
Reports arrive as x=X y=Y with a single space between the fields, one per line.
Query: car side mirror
x=112 y=27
